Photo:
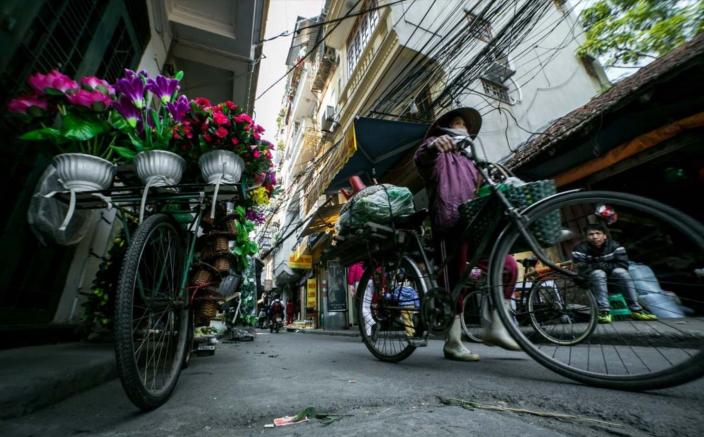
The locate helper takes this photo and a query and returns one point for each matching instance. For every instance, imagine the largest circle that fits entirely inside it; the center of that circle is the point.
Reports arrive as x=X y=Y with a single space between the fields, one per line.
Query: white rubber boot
x=497 y=335
x=454 y=349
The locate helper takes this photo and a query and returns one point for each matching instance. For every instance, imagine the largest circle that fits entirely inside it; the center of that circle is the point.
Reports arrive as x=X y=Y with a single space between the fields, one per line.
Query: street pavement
x=244 y=386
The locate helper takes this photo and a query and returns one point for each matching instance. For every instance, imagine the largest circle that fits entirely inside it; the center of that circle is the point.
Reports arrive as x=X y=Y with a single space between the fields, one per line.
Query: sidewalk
x=37 y=376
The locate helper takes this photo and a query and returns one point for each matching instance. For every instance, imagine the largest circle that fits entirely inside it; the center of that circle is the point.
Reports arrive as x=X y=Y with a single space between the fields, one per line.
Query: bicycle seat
x=412 y=221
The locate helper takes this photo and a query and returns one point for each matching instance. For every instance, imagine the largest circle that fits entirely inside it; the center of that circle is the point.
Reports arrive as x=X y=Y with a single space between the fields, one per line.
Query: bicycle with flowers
x=185 y=257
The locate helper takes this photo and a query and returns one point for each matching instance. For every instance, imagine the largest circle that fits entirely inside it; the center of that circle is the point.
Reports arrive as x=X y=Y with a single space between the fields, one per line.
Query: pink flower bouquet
x=72 y=115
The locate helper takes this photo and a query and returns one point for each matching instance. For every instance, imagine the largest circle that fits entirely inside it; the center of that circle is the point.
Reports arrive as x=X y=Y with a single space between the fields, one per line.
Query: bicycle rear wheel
x=472 y=316
x=388 y=307
x=561 y=312
x=627 y=353
x=151 y=315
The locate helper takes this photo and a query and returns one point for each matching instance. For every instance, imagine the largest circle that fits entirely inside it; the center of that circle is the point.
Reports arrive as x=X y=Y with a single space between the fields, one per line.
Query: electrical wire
x=456 y=40
x=323 y=23
x=300 y=61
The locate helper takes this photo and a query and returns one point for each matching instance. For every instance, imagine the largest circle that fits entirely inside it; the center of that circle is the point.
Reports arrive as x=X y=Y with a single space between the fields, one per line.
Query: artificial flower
x=92 y=83
x=51 y=82
x=260 y=196
x=90 y=99
x=221 y=132
x=163 y=87
x=127 y=109
x=220 y=118
x=132 y=86
x=32 y=105
x=179 y=108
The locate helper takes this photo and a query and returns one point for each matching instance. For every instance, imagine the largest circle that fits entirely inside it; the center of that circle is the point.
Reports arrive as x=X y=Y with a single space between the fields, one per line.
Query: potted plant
x=147 y=111
x=73 y=116
x=225 y=141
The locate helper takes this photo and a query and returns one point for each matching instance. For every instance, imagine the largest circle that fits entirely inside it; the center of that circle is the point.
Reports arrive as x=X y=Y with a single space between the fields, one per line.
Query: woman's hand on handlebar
x=444 y=143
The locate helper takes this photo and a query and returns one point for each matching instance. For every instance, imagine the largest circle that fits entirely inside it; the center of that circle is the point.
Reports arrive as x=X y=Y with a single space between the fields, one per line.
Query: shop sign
x=300 y=261
x=311 y=293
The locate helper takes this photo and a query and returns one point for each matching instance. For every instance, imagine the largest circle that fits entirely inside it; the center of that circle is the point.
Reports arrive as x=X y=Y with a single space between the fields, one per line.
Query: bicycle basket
x=483 y=215
x=480 y=216
x=547 y=229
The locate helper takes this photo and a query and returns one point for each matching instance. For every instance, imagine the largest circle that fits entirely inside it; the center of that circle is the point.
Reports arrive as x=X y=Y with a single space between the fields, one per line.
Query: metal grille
x=58 y=38
x=118 y=54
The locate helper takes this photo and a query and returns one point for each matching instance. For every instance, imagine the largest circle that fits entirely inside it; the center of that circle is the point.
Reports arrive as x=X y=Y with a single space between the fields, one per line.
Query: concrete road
x=246 y=385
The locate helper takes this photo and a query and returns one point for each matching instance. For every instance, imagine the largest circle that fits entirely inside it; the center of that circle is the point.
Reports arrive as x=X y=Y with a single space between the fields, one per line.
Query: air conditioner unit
x=330 y=55
x=328 y=119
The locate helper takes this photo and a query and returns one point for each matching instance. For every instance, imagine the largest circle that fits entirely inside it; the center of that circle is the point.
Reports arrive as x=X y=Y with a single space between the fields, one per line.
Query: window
x=479 y=28
x=495 y=90
x=361 y=34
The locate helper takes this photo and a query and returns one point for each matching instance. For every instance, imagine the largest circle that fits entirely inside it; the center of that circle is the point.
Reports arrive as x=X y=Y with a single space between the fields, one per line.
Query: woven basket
x=220 y=244
x=222 y=264
x=208 y=253
x=484 y=215
x=203 y=276
x=229 y=224
x=207 y=310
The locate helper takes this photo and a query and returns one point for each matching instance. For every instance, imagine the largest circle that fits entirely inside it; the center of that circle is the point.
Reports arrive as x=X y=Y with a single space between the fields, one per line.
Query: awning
x=323 y=220
x=379 y=145
x=285 y=275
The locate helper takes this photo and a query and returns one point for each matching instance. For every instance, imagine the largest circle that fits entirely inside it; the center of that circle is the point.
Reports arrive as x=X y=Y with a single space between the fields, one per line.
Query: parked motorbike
x=276 y=324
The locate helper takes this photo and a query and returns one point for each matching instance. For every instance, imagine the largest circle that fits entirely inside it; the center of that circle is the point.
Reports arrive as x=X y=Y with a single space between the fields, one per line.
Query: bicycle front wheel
x=151 y=315
x=389 y=296
x=628 y=349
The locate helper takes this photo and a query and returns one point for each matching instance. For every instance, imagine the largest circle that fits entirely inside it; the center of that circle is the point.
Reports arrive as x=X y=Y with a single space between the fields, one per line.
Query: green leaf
x=136 y=142
x=237 y=250
x=53 y=92
x=179 y=75
x=47 y=133
x=124 y=152
x=119 y=122
x=157 y=122
x=81 y=129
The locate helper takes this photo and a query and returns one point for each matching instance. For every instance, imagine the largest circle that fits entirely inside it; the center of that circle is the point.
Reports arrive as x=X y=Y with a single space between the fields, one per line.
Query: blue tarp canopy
x=380 y=144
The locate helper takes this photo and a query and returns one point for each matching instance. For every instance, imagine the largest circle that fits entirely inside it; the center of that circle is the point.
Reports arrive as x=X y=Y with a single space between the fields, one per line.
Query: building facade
x=406 y=64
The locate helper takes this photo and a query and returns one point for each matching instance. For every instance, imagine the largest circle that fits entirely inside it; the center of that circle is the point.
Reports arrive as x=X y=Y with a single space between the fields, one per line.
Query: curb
x=39 y=376
x=350 y=333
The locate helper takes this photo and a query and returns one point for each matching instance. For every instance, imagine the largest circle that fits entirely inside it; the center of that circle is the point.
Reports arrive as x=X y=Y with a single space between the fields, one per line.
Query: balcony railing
x=324 y=68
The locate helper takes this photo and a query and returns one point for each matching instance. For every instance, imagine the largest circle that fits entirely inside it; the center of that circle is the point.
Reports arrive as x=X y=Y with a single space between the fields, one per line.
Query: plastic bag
x=376 y=204
x=46 y=215
x=644 y=279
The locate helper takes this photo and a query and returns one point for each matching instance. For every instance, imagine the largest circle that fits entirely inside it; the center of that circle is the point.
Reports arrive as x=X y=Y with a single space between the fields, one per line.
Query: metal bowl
x=159 y=168
x=81 y=172
x=221 y=164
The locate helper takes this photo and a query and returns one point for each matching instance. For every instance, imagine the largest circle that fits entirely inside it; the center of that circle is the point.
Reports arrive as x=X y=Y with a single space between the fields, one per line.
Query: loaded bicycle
x=524 y=222
x=168 y=282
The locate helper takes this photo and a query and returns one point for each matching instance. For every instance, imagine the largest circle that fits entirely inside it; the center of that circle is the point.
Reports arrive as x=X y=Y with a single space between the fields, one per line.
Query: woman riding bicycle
x=451 y=179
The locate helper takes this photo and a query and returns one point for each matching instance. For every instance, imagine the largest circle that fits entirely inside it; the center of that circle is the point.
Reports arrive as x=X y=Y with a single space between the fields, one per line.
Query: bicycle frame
x=189 y=255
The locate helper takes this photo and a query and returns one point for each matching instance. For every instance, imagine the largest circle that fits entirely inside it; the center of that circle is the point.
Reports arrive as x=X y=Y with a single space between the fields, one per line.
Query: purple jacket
x=450 y=179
